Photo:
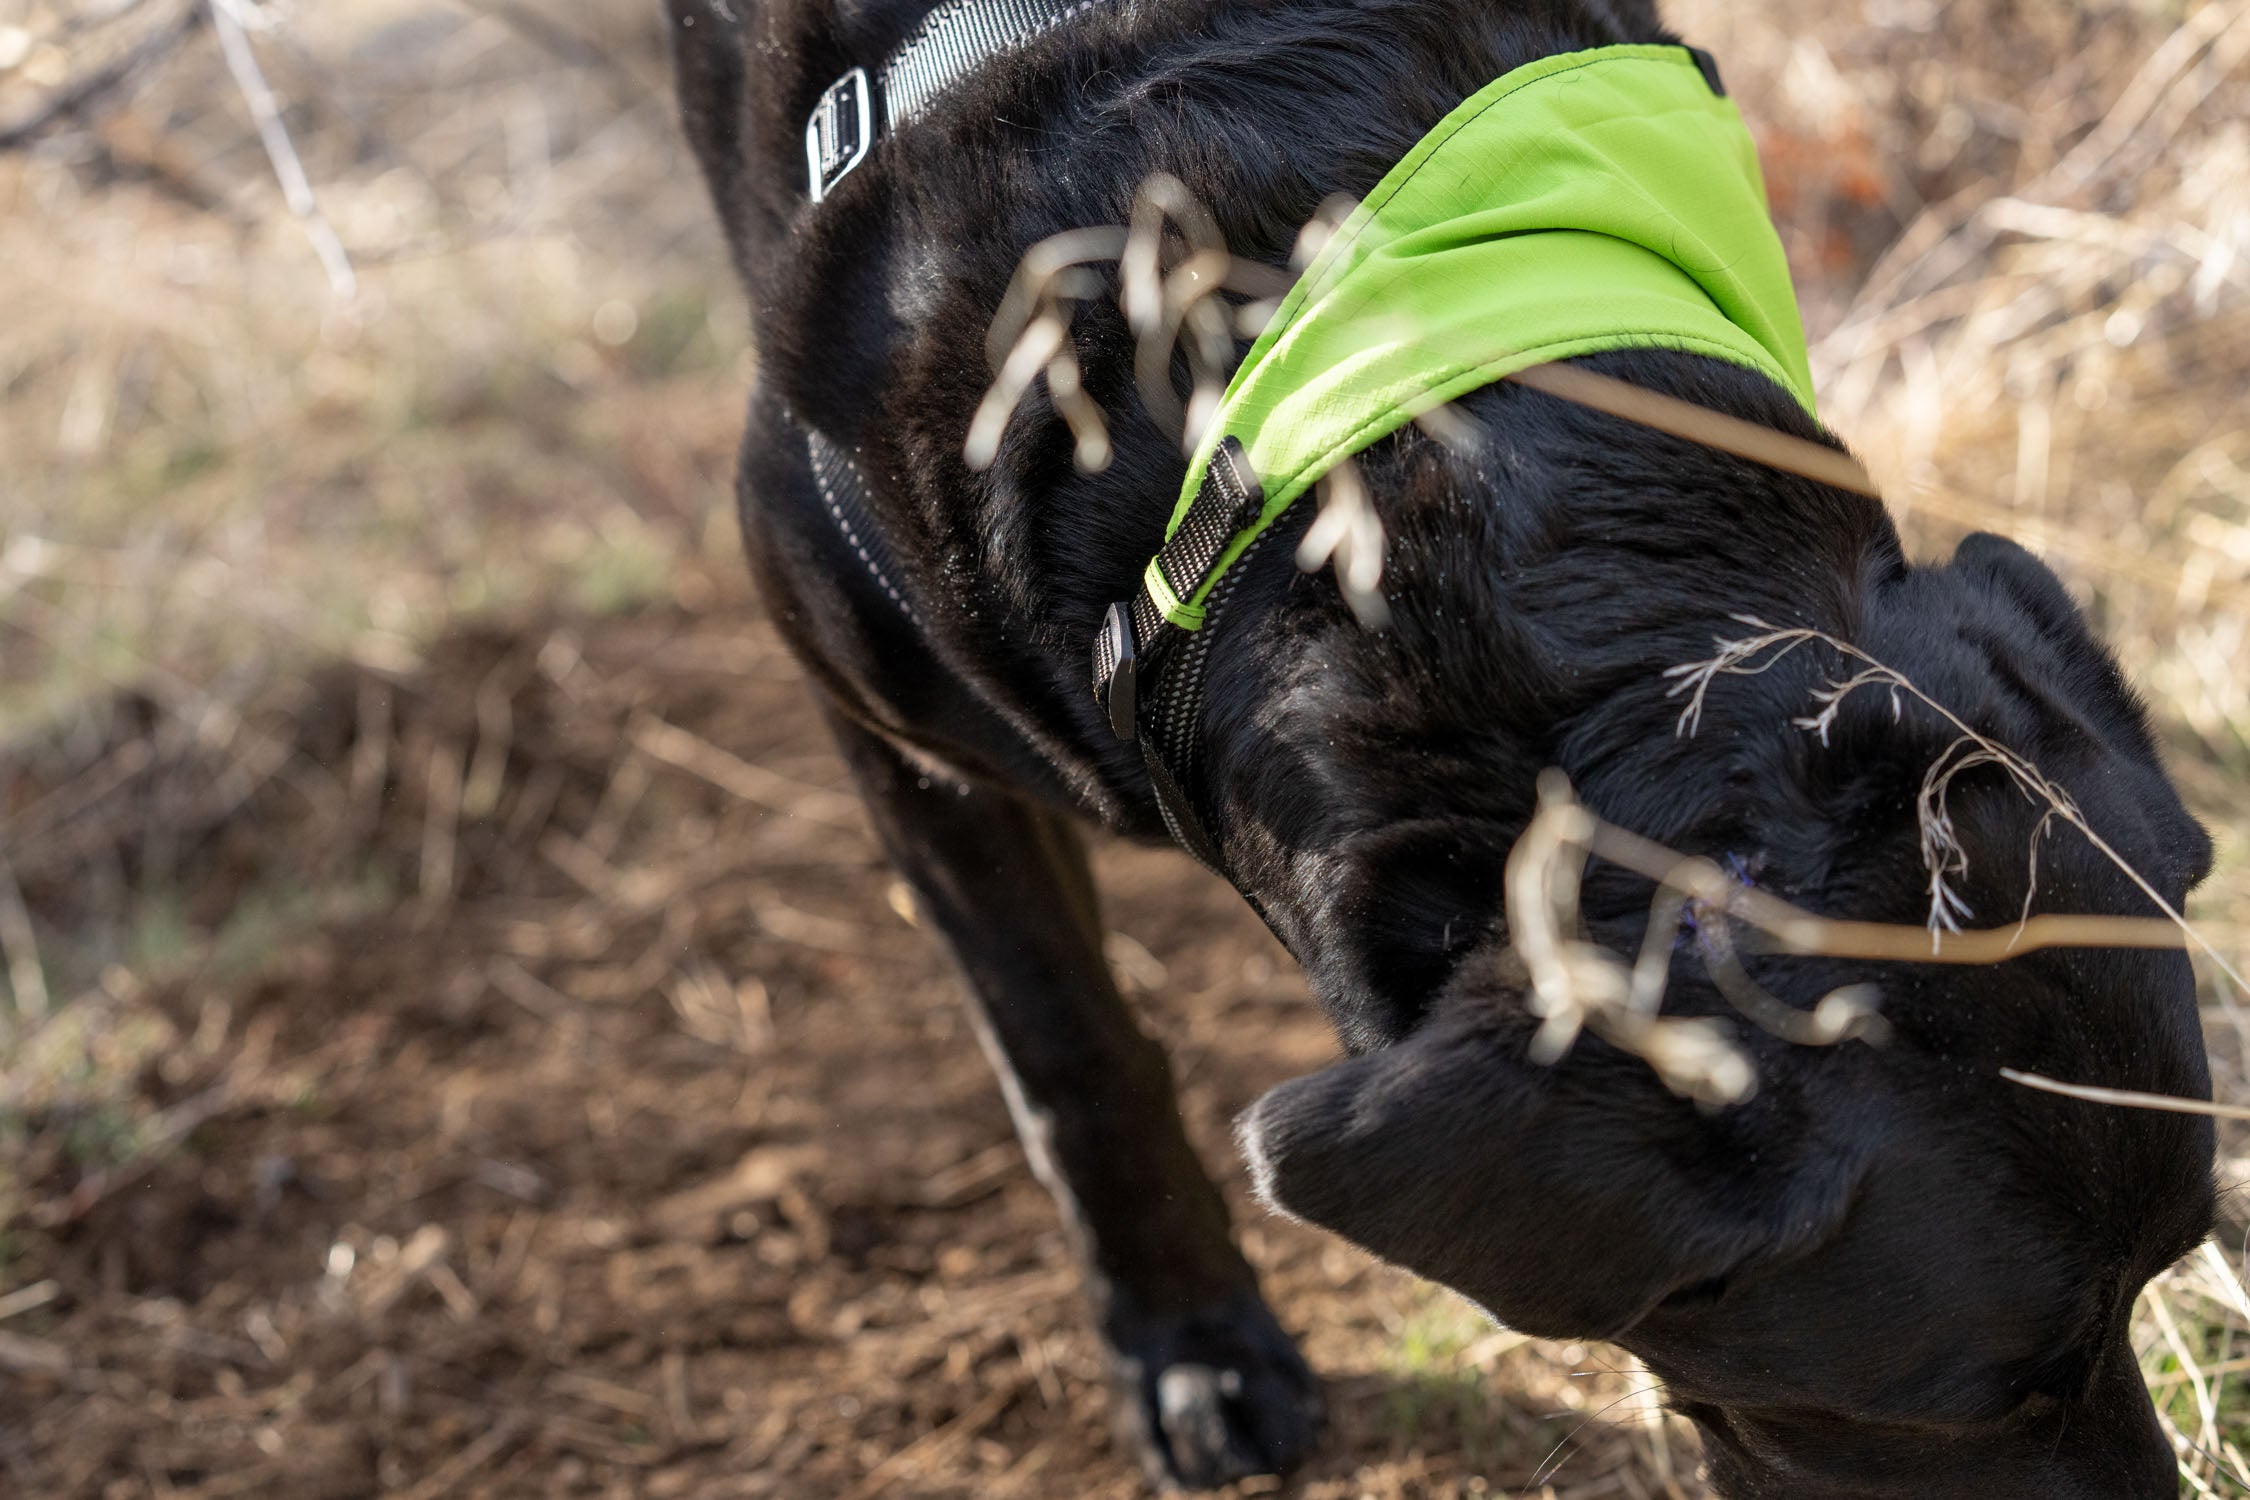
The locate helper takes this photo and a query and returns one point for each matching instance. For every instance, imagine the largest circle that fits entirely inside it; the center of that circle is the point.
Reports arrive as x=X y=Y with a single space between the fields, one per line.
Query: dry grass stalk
x=1700 y=424
x=234 y=20
x=1943 y=854
x=2127 y=1098
x=1576 y=984
x=1176 y=308
x=1030 y=336
x=1348 y=533
x=1171 y=301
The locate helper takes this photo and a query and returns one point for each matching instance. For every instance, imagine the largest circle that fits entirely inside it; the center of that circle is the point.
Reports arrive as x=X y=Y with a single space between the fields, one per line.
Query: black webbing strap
x=952 y=42
x=1149 y=664
x=1141 y=641
x=843 y=492
x=1229 y=500
x=1171 y=729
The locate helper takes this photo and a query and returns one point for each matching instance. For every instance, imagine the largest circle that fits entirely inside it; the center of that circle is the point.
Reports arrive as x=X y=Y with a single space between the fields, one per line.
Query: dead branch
x=74 y=99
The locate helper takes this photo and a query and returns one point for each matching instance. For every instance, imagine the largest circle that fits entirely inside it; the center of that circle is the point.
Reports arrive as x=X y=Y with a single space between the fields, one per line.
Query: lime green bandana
x=1598 y=200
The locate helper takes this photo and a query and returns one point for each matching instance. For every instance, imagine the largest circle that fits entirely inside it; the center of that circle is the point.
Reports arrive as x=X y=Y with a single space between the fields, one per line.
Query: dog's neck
x=873 y=307
x=1367 y=785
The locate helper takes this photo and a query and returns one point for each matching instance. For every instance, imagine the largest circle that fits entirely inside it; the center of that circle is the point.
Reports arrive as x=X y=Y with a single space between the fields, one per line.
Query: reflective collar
x=952 y=42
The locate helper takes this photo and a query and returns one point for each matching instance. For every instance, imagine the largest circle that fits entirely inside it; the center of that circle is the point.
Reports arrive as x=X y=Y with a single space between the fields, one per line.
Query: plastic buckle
x=1119 y=687
x=839 y=133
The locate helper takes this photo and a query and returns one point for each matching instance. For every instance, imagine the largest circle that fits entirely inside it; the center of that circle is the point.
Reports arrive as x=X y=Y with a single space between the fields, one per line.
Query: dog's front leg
x=1209 y=1387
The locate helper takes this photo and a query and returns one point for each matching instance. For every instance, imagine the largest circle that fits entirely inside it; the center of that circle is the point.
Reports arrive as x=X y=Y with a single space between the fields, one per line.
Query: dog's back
x=870 y=313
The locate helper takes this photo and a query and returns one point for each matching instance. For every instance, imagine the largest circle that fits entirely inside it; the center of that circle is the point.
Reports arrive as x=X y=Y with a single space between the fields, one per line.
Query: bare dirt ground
x=458 y=1038
x=612 y=1133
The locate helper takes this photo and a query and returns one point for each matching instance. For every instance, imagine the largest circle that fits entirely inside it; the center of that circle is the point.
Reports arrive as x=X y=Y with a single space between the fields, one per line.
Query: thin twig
x=1942 y=852
x=1700 y=424
x=1577 y=984
x=1348 y=533
x=2126 y=1098
x=242 y=62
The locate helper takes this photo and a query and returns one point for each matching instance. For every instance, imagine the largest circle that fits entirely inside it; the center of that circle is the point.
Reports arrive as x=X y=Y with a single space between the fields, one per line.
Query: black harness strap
x=952 y=42
x=1229 y=500
x=843 y=490
x=1148 y=669
x=1171 y=727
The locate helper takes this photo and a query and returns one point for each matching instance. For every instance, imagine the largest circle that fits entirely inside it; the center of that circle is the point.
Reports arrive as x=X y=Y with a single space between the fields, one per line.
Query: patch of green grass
x=190 y=461
x=265 y=917
x=674 y=334
x=154 y=937
x=103 y=1134
x=628 y=571
x=2198 y=1371
x=160 y=937
x=1440 y=1399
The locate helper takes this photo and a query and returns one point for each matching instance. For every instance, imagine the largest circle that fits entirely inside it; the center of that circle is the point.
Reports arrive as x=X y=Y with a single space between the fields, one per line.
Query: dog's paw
x=1215 y=1396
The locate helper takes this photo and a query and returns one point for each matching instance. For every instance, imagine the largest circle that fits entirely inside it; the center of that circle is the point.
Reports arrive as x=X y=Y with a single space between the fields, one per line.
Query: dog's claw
x=1216 y=1396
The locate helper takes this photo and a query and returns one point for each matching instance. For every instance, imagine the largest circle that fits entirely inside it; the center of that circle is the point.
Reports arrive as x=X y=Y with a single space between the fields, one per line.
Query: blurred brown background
x=458 y=1039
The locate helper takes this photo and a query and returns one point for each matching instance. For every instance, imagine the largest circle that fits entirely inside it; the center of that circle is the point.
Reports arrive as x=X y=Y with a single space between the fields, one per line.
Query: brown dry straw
x=1942 y=851
x=1578 y=984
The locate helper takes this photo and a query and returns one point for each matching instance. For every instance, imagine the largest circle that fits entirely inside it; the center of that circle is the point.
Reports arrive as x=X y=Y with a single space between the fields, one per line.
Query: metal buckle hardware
x=839 y=133
x=1117 y=666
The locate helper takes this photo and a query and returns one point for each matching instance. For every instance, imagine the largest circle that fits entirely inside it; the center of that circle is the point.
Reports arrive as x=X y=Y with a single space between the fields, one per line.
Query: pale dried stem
x=231 y=19
x=1700 y=424
x=1576 y=984
x=1167 y=309
x=1942 y=850
x=1320 y=229
x=1348 y=533
x=1793 y=930
x=2126 y=1098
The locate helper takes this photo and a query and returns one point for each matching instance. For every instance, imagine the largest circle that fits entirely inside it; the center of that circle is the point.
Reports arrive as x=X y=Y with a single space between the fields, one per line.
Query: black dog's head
x=1891 y=1272
x=1887 y=1275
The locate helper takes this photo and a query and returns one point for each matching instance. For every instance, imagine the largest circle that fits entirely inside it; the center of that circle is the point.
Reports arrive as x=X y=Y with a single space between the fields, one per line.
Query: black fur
x=1891 y=1273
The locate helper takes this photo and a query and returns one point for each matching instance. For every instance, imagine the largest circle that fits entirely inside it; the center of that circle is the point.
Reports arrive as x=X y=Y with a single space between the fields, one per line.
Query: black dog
x=1892 y=1273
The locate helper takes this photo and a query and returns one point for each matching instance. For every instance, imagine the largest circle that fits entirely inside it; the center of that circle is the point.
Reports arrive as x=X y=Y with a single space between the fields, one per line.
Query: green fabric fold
x=1592 y=201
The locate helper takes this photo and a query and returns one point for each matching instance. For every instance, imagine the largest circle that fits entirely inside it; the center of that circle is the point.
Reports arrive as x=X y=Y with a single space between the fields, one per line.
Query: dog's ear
x=2019 y=570
x=2082 y=665
x=1408 y=902
x=1568 y=1201
x=2085 y=672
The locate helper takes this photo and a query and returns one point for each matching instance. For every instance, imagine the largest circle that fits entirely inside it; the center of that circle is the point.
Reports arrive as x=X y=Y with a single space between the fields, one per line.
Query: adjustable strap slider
x=1117 y=670
x=1227 y=503
x=839 y=133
